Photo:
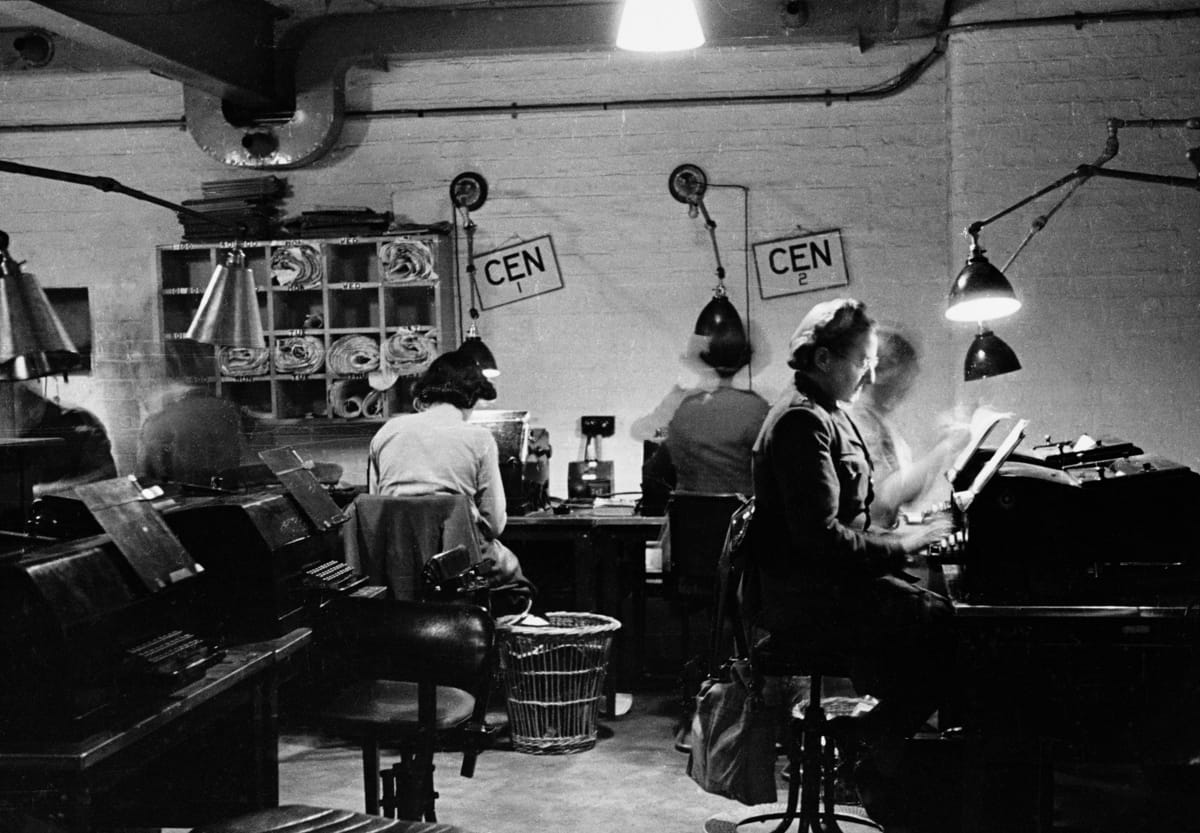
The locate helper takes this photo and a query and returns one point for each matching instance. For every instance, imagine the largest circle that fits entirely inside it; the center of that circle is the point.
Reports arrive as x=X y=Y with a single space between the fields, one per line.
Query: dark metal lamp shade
x=980 y=292
x=33 y=342
x=988 y=356
x=719 y=322
x=228 y=313
x=473 y=347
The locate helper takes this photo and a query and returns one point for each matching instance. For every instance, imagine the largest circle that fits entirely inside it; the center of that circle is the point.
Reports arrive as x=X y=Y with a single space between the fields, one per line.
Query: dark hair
x=834 y=325
x=455 y=379
x=727 y=354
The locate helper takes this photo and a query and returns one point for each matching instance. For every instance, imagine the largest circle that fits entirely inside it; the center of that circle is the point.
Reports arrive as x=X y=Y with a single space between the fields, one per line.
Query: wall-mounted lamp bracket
x=468 y=190
x=688 y=183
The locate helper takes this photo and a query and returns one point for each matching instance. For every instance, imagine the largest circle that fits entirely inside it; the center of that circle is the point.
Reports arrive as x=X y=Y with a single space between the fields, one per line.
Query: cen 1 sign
x=516 y=272
x=803 y=263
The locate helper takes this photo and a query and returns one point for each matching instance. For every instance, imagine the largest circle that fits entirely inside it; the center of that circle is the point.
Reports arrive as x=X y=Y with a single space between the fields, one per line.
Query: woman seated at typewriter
x=818 y=576
x=436 y=451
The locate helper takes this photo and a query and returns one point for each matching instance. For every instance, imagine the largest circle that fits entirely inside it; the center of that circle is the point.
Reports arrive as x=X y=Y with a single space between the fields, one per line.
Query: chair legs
x=408 y=790
x=811 y=773
x=407 y=787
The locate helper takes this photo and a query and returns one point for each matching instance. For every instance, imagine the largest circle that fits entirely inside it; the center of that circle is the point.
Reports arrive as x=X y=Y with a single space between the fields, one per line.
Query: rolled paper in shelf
x=372 y=404
x=299 y=355
x=353 y=355
x=410 y=350
x=243 y=361
x=297 y=267
x=406 y=261
x=343 y=401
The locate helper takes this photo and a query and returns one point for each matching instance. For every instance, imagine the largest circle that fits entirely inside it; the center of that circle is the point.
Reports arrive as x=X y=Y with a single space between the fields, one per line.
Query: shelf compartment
x=298 y=309
x=405 y=306
x=353 y=308
x=300 y=397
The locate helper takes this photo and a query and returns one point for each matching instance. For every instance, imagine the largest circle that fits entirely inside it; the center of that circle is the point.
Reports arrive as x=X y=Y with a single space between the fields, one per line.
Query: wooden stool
x=810 y=746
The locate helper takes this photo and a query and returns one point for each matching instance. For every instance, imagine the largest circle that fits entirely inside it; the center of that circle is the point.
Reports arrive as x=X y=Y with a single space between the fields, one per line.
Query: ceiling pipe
x=262 y=102
x=322 y=51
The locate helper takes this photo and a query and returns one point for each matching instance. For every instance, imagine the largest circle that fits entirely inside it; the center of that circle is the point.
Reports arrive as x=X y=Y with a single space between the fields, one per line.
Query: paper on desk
x=983 y=420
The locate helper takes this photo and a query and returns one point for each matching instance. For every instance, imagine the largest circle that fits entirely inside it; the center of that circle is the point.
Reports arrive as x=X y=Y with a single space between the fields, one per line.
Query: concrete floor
x=635 y=780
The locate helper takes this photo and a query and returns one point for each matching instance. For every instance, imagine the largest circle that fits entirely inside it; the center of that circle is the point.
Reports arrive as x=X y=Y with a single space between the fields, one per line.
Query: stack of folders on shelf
x=249 y=204
x=338 y=222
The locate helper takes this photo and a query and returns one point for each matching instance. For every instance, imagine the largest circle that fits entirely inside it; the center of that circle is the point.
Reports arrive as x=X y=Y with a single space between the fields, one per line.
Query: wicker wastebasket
x=554 y=676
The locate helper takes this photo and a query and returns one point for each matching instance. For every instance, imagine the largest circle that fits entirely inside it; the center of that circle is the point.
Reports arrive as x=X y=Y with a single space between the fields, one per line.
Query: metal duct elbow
x=314 y=126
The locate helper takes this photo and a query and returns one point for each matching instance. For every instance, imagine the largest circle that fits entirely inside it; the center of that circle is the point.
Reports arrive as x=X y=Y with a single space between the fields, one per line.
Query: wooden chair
x=417 y=679
x=389 y=539
x=697 y=522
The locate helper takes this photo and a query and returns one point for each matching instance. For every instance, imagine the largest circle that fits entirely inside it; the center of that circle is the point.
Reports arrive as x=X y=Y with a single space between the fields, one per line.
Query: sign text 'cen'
x=514 y=273
x=803 y=263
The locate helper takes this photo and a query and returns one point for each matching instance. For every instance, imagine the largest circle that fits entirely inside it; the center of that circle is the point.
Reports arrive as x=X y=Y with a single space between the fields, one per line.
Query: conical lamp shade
x=659 y=26
x=473 y=347
x=980 y=292
x=987 y=356
x=228 y=313
x=33 y=342
x=728 y=346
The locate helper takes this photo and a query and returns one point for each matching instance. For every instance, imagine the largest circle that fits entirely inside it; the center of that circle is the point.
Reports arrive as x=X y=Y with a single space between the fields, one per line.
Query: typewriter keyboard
x=173 y=657
x=332 y=575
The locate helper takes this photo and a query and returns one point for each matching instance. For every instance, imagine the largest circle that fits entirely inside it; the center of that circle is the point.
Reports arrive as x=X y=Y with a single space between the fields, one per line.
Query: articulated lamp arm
x=108 y=185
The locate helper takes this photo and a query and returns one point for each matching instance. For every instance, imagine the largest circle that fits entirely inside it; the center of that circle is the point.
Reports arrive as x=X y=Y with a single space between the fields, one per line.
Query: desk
x=203 y=753
x=603 y=544
x=1045 y=685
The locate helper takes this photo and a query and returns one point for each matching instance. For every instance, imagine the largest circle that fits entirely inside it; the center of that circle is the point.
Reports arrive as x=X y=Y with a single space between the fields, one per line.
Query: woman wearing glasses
x=818 y=575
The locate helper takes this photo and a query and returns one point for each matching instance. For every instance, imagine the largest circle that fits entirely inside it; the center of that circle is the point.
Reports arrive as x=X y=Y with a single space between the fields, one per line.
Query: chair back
x=730 y=566
x=443 y=643
x=698 y=522
x=388 y=539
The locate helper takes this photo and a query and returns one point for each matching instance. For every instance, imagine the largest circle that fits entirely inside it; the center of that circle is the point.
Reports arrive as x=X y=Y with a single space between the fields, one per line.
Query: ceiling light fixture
x=228 y=314
x=468 y=192
x=659 y=26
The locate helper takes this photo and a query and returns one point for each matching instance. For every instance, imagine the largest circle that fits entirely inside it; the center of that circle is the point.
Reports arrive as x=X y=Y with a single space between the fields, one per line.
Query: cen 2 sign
x=803 y=263
x=516 y=272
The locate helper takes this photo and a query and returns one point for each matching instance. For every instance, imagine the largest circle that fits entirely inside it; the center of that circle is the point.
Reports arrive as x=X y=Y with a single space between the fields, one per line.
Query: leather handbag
x=733 y=737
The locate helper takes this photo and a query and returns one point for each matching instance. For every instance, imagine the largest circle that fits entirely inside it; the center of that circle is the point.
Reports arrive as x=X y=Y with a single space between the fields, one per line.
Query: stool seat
x=387 y=709
x=298 y=818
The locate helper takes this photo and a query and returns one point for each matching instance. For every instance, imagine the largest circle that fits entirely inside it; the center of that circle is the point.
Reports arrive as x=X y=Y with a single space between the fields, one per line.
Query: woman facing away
x=437 y=451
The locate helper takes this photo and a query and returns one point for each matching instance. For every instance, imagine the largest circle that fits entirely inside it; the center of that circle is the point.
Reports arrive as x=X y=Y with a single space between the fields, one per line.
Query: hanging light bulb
x=33 y=342
x=659 y=26
x=228 y=313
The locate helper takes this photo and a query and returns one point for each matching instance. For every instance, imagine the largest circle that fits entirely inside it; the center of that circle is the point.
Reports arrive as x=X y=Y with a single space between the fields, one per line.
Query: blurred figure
x=192 y=439
x=898 y=478
x=84 y=456
x=711 y=434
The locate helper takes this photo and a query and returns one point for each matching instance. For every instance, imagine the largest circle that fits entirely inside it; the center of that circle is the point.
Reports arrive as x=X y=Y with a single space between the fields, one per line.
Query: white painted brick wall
x=1108 y=336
